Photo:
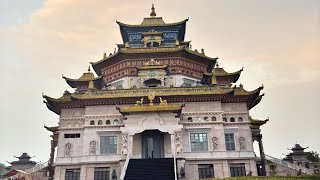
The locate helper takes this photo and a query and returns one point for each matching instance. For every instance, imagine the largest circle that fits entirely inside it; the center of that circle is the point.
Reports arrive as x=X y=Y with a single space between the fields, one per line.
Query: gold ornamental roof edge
x=143 y=92
x=150 y=25
x=149 y=108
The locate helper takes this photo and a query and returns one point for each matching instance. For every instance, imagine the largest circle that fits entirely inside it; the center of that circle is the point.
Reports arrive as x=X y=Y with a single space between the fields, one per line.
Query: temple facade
x=155 y=103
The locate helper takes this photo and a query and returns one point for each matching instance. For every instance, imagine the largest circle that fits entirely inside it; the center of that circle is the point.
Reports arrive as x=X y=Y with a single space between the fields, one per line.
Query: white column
x=83 y=172
x=172 y=144
x=130 y=144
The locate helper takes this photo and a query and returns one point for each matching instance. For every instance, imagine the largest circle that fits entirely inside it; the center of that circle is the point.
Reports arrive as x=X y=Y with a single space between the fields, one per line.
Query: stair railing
x=175 y=164
x=125 y=166
x=289 y=165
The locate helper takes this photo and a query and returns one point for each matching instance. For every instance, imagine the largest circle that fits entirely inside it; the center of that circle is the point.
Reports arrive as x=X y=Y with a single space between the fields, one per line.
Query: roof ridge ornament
x=153 y=13
x=89 y=69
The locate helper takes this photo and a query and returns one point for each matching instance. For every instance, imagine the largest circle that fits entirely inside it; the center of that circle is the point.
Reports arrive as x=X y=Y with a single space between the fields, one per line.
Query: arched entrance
x=152 y=144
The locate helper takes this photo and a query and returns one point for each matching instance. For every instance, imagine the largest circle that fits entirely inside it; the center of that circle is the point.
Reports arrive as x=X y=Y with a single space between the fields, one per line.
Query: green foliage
x=271 y=178
x=2 y=169
x=273 y=168
x=313 y=156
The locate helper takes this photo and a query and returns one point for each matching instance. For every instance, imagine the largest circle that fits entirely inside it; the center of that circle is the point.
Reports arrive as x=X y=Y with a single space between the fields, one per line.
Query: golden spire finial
x=153 y=13
x=89 y=69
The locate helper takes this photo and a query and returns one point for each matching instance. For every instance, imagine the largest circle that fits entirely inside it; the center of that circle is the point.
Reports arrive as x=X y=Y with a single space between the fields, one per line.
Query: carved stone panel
x=124 y=149
x=215 y=144
x=242 y=144
x=92 y=148
x=67 y=149
x=178 y=142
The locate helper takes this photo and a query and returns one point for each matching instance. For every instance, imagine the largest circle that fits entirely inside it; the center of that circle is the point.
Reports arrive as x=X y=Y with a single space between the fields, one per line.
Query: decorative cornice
x=104 y=126
x=198 y=129
x=202 y=113
x=72 y=119
x=231 y=129
x=103 y=116
x=101 y=133
x=70 y=129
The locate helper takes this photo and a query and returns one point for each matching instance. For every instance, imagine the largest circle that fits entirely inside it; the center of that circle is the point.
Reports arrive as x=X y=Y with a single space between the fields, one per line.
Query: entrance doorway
x=152 y=144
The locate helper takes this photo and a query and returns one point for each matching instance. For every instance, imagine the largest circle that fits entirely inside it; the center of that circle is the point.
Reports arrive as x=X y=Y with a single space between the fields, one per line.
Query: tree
x=2 y=169
x=313 y=156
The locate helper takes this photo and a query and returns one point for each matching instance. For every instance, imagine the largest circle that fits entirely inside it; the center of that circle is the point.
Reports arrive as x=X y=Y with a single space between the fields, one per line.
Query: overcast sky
x=277 y=43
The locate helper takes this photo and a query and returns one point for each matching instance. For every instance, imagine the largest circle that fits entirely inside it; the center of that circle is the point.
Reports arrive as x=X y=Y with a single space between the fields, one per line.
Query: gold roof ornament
x=152 y=62
x=153 y=13
x=151 y=97
x=162 y=106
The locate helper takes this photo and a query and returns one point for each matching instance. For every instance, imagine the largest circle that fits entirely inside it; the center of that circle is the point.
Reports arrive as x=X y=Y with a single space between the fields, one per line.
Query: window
x=72 y=174
x=232 y=119
x=240 y=119
x=76 y=135
x=224 y=119
x=229 y=138
x=108 y=144
x=205 y=171
x=199 y=141
x=116 y=121
x=189 y=119
x=92 y=122
x=100 y=122
x=205 y=118
x=101 y=173
x=107 y=122
x=213 y=118
x=237 y=170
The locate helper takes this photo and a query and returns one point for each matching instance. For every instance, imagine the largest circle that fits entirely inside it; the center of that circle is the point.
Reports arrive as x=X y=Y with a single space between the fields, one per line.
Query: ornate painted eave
x=240 y=91
x=211 y=61
x=255 y=102
x=52 y=129
x=152 y=22
x=256 y=122
x=142 y=92
x=85 y=79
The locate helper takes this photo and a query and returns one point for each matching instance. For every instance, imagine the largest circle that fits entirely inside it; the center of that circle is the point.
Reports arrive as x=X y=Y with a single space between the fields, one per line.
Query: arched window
x=240 y=119
x=76 y=125
x=224 y=119
x=232 y=119
x=115 y=121
x=189 y=119
x=213 y=118
x=173 y=70
x=92 y=122
x=108 y=122
x=100 y=122
x=205 y=118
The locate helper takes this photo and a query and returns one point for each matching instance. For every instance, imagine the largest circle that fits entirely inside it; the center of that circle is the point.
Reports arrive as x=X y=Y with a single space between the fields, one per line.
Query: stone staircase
x=150 y=169
x=289 y=165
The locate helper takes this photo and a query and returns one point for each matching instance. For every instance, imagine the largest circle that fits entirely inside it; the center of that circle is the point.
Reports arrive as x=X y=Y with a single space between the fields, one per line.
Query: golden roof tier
x=221 y=77
x=126 y=60
x=172 y=94
x=132 y=35
x=83 y=83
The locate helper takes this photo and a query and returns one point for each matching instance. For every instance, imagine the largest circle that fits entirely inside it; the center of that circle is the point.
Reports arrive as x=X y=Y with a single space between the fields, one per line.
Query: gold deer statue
x=163 y=102
x=139 y=103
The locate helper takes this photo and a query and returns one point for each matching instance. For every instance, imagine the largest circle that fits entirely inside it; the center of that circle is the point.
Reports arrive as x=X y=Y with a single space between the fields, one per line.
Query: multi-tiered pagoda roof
x=154 y=40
